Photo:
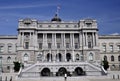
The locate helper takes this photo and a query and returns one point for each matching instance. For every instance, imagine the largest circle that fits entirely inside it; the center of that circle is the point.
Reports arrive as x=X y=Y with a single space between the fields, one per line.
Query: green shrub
x=17 y=66
x=105 y=64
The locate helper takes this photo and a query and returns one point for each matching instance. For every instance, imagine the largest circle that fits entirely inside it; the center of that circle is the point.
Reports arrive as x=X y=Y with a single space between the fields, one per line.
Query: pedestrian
x=65 y=77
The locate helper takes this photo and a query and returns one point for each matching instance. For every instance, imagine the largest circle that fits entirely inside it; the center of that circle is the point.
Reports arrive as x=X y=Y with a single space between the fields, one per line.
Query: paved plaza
x=112 y=76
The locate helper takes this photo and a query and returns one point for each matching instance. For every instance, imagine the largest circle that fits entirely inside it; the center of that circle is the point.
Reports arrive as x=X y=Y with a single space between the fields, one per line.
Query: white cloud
x=26 y=6
x=115 y=33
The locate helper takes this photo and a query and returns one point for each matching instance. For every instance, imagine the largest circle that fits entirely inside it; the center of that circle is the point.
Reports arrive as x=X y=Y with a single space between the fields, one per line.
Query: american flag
x=58 y=7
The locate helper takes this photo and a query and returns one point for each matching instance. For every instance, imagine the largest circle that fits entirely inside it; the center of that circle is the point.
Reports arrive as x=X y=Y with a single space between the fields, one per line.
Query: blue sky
x=106 y=12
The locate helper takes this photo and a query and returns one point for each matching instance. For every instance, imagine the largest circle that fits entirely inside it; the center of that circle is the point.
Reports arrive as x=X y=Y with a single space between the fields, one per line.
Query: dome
x=56 y=18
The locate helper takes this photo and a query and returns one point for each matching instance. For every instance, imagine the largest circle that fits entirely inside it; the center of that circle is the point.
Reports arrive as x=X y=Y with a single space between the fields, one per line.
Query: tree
x=17 y=66
x=105 y=64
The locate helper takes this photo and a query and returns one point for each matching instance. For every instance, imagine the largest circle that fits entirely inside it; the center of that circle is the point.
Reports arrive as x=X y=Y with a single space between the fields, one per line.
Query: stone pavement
x=112 y=76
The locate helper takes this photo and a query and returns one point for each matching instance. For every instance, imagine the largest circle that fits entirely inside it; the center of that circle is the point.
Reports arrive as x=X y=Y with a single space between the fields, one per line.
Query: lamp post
x=0 y=68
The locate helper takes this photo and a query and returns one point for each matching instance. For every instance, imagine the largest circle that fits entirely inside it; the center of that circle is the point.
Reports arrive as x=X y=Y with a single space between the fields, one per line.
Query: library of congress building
x=56 y=47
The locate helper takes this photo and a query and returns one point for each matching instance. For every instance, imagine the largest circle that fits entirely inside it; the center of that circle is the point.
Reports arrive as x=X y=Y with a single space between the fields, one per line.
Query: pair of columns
x=54 y=43
x=32 y=38
x=94 y=39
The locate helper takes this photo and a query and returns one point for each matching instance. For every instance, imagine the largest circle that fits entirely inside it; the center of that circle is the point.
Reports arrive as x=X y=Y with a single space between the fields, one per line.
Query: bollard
x=118 y=77
x=6 y=78
x=113 y=76
x=11 y=78
x=0 y=78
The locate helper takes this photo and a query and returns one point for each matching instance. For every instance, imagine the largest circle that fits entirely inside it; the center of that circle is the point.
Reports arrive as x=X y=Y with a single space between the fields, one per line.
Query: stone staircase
x=89 y=68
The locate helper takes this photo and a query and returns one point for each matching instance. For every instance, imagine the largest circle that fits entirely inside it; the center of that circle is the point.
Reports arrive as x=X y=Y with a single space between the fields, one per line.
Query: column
x=73 y=55
x=86 y=40
x=44 y=55
x=50 y=56
x=30 y=40
x=83 y=39
x=57 y=57
x=96 y=37
x=19 y=38
x=80 y=39
x=71 y=41
x=62 y=40
x=22 y=38
x=65 y=56
x=55 y=40
x=93 y=39
x=45 y=40
x=35 y=39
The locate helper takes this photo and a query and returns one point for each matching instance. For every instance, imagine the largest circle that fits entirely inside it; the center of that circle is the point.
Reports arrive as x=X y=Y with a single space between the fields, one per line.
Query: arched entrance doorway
x=78 y=71
x=45 y=72
x=61 y=71
x=68 y=57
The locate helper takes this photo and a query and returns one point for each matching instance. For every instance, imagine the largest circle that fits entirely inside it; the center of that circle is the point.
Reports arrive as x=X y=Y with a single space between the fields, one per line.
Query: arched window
x=112 y=58
x=1 y=47
x=90 y=57
x=81 y=57
x=39 y=57
x=26 y=57
x=113 y=66
x=9 y=47
x=105 y=57
x=9 y=59
x=77 y=57
x=119 y=58
x=68 y=57
x=49 y=57
x=60 y=57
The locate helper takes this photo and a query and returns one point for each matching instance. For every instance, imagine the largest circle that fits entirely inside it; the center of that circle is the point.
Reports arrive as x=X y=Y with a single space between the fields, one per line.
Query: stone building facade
x=56 y=47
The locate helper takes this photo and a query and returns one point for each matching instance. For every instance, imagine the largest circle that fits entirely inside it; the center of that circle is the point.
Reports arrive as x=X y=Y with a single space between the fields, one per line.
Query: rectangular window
x=118 y=48
x=26 y=45
x=1 y=49
x=111 y=48
x=67 y=45
x=40 y=45
x=76 y=45
x=9 y=49
x=104 y=48
x=58 y=45
x=89 y=45
x=49 y=45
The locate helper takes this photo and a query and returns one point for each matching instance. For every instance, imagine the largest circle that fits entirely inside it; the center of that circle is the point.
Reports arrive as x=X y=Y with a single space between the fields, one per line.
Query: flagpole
x=57 y=12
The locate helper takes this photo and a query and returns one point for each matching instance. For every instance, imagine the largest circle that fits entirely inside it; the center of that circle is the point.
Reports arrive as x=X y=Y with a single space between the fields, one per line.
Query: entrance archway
x=79 y=71
x=68 y=57
x=45 y=72
x=61 y=71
